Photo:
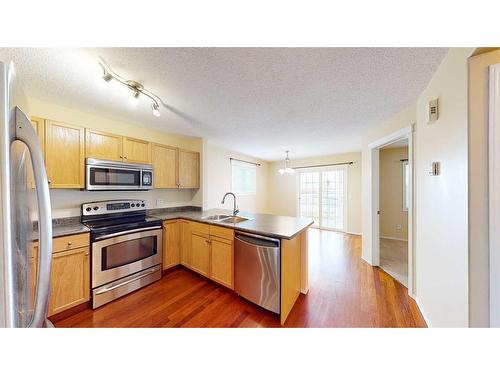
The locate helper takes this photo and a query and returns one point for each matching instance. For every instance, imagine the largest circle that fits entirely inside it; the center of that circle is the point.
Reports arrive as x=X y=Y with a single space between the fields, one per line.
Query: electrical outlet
x=159 y=202
x=399 y=227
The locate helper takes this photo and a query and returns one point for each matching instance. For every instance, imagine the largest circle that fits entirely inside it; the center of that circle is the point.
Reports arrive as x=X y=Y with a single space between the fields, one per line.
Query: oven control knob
x=88 y=209
x=143 y=205
x=96 y=208
x=132 y=205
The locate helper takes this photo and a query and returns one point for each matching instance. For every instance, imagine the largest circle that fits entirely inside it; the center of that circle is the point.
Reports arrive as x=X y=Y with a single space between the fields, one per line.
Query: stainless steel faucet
x=235 y=209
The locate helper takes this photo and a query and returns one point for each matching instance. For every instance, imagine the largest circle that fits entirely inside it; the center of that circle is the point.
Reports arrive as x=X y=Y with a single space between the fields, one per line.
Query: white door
x=322 y=197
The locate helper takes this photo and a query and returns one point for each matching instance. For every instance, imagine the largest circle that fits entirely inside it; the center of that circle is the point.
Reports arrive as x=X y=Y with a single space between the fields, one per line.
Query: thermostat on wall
x=433 y=111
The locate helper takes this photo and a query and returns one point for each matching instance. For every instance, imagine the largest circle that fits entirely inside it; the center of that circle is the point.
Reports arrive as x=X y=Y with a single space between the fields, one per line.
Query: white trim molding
x=494 y=196
x=422 y=311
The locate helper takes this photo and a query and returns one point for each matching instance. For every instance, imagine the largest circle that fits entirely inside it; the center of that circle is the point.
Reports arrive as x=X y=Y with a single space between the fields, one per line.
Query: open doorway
x=394 y=189
x=403 y=135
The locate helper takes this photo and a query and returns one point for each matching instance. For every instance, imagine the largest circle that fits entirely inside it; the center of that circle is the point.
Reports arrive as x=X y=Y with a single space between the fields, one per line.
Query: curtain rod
x=324 y=165
x=244 y=161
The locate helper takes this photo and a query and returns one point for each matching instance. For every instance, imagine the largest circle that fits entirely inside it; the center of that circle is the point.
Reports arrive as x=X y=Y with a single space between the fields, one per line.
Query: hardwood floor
x=344 y=292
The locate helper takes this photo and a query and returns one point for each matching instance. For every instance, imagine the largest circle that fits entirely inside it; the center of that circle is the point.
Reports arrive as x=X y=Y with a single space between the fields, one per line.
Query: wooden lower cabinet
x=221 y=262
x=171 y=251
x=200 y=253
x=185 y=243
x=70 y=279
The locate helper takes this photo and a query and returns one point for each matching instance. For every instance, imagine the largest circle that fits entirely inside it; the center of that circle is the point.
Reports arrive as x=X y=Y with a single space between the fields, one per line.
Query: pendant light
x=286 y=169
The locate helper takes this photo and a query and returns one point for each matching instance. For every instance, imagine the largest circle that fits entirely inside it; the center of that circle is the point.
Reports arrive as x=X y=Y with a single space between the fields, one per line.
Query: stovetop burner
x=115 y=216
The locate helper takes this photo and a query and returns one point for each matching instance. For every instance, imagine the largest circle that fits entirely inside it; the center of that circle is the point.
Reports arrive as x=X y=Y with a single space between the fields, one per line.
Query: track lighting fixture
x=136 y=87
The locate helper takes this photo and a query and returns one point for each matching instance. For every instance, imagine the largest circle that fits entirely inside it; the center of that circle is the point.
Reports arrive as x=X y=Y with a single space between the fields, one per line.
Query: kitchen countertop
x=63 y=227
x=285 y=227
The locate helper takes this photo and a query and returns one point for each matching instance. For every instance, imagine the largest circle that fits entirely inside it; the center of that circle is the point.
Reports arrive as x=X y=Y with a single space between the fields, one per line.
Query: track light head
x=107 y=76
x=156 y=109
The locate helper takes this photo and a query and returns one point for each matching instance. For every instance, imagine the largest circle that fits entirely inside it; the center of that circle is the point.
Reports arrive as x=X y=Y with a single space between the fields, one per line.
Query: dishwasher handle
x=256 y=240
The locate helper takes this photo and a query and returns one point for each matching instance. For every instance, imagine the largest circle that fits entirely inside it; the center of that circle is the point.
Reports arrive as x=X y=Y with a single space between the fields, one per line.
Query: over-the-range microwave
x=115 y=175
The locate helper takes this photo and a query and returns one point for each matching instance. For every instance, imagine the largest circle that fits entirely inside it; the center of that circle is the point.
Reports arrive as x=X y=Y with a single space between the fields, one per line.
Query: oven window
x=114 y=177
x=127 y=252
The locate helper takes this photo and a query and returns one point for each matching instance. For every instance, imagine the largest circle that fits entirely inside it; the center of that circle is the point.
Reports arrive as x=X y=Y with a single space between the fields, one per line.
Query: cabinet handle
x=49 y=181
x=125 y=157
x=86 y=254
x=70 y=243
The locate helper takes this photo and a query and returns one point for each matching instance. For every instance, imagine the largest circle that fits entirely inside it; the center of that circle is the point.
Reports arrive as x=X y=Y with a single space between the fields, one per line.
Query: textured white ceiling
x=258 y=101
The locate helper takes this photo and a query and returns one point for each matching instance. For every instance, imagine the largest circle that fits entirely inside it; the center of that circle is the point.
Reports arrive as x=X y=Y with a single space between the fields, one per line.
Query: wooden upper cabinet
x=164 y=161
x=39 y=125
x=65 y=155
x=189 y=169
x=102 y=145
x=136 y=150
x=171 y=250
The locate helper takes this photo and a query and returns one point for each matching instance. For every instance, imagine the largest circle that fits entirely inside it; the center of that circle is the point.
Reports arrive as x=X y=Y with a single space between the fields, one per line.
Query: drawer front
x=199 y=227
x=70 y=242
x=222 y=232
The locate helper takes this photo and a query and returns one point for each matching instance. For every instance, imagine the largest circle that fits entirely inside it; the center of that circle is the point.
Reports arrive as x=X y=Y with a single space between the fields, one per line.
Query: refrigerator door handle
x=26 y=133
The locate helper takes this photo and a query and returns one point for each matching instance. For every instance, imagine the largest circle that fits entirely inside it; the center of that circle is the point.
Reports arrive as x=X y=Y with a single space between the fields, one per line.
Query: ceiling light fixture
x=137 y=88
x=286 y=169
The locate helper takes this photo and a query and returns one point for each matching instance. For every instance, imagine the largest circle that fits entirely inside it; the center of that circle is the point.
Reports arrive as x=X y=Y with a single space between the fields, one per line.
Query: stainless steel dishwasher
x=257 y=270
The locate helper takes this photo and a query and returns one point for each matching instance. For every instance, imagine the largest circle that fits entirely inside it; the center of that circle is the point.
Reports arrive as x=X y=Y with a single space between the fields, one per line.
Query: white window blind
x=243 y=178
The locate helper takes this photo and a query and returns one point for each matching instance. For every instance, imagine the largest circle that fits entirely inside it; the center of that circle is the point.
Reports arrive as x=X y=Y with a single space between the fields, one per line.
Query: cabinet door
x=136 y=150
x=70 y=279
x=164 y=160
x=39 y=125
x=185 y=243
x=200 y=253
x=171 y=252
x=221 y=261
x=189 y=169
x=102 y=145
x=65 y=155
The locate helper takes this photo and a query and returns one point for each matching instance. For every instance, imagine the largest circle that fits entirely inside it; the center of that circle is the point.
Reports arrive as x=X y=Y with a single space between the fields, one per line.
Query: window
x=243 y=178
x=322 y=197
x=406 y=185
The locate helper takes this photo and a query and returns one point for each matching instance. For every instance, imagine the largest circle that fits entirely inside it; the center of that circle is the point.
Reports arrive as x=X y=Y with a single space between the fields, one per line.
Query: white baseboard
x=394 y=238
x=422 y=311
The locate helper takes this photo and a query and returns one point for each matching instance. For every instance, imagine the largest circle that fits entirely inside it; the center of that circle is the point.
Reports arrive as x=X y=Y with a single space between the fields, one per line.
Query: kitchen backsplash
x=66 y=203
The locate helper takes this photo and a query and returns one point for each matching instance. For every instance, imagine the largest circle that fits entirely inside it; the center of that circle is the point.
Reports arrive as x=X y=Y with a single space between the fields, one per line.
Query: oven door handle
x=105 y=290
x=127 y=232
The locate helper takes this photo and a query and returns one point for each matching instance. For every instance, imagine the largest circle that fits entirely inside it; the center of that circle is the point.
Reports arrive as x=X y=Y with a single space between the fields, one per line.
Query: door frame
x=374 y=147
x=494 y=197
x=346 y=194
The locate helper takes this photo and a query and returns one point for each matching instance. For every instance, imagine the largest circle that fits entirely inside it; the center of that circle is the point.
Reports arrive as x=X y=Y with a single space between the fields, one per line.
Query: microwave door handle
x=26 y=133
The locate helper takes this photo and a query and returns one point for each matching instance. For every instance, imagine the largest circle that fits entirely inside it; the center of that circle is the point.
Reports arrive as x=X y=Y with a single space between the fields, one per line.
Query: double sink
x=227 y=219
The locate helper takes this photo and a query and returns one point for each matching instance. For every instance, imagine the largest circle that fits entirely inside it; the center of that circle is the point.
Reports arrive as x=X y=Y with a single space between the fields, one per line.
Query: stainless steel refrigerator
x=24 y=293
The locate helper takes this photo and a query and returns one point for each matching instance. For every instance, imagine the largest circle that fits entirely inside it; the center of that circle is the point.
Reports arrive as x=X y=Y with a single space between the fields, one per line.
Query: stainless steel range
x=126 y=248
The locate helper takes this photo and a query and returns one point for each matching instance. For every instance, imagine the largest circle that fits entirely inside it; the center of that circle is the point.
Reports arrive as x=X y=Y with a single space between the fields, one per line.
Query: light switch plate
x=433 y=111
x=435 y=168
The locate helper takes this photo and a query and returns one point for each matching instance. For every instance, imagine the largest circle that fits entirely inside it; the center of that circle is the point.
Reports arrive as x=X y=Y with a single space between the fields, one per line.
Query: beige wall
x=66 y=202
x=478 y=187
x=283 y=189
x=393 y=220
x=441 y=221
x=218 y=181
x=403 y=119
